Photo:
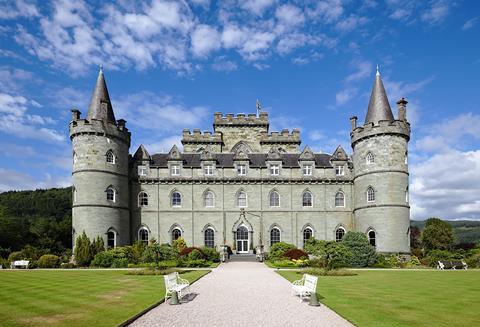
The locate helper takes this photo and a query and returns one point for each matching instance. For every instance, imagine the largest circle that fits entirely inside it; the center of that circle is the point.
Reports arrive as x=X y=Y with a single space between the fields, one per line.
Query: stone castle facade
x=241 y=184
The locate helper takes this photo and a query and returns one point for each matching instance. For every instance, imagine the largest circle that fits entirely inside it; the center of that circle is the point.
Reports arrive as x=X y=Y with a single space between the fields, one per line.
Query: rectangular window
x=142 y=171
x=307 y=170
x=274 y=170
x=339 y=170
x=175 y=170
x=208 y=170
x=241 y=170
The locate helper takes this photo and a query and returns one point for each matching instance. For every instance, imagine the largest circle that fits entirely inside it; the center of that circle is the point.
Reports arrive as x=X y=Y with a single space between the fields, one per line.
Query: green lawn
x=77 y=297
x=402 y=298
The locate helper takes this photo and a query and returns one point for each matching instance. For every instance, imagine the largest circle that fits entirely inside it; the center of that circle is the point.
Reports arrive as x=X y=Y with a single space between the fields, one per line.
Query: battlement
x=281 y=137
x=399 y=127
x=198 y=137
x=240 y=119
x=83 y=126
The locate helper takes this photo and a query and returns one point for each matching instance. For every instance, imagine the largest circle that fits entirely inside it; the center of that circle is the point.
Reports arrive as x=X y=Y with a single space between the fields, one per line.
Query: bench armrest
x=298 y=282
x=182 y=281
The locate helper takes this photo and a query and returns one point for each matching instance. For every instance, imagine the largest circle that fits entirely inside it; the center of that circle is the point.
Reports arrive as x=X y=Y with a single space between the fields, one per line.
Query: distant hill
x=466 y=231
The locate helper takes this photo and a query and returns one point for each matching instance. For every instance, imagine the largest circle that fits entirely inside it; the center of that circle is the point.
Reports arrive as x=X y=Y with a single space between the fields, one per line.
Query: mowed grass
x=402 y=298
x=77 y=297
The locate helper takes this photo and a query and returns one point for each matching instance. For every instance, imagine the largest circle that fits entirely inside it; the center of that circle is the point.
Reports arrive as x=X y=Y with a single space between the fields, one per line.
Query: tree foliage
x=363 y=254
x=83 y=250
x=437 y=235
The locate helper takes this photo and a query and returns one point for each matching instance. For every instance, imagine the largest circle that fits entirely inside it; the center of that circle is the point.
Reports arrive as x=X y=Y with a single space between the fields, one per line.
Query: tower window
x=307 y=199
x=74 y=194
x=370 y=158
x=175 y=170
x=274 y=170
x=370 y=194
x=74 y=157
x=406 y=157
x=209 y=236
x=176 y=233
x=142 y=171
x=208 y=170
x=242 y=199
x=307 y=234
x=339 y=199
x=274 y=235
x=209 y=199
x=307 y=170
x=339 y=170
x=371 y=238
x=111 y=239
x=110 y=157
x=176 y=199
x=406 y=195
x=142 y=199
x=241 y=170
x=339 y=234
x=274 y=199
x=143 y=235
x=111 y=194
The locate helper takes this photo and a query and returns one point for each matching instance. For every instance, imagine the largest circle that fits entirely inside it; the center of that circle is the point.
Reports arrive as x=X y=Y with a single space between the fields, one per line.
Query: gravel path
x=241 y=294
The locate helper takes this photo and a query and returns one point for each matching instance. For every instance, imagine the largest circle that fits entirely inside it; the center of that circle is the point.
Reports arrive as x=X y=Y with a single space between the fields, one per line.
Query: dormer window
x=370 y=158
x=241 y=170
x=307 y=170
x=208 y=170
x=110 y=157
x=274 y=170
x=175 y=170
x=142 y=171
x=339 y=170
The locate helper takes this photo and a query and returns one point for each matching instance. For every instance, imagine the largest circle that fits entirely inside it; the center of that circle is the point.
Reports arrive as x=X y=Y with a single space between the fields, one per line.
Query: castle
x=241 y=184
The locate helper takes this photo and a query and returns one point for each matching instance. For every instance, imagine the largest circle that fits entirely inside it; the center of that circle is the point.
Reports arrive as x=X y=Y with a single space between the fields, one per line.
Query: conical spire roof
x=100 y=106
x=378 y=107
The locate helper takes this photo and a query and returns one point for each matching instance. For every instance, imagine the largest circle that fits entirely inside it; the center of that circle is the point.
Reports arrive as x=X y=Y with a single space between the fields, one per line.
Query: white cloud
x=223 y=64
x=345 y=95
x=15 y=180
x=350 y=23
x=330 y=10
x=470 y=23
x=204 y=40
x=436 y=12
x=289 y=16
x=16 y=9
x=11 y=79
x=316 y=135
x=257 y=6
x=363 y=70
x=165 y=144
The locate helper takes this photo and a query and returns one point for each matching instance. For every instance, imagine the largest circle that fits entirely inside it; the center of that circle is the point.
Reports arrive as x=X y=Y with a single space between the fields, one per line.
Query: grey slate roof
x=100 y=95
x=378 y=107
x=256 y=160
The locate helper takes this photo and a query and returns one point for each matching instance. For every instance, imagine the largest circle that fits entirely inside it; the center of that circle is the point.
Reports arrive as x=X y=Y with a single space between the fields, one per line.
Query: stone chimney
x=402 y=109
x=353 y=122
x=75 y=114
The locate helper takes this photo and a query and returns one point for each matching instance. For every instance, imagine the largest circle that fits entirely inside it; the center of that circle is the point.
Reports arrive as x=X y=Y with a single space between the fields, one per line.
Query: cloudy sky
x=170 y=64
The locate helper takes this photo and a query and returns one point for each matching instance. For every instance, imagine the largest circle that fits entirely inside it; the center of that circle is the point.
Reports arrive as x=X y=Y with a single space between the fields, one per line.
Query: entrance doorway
x=242 y=240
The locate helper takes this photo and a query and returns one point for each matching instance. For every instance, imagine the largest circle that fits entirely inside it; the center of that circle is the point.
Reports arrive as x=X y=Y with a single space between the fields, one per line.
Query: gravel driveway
x=241 y=294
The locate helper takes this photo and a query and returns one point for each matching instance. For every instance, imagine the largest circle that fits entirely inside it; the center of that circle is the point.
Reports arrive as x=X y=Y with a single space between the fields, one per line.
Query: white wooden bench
x=20 y=263
x=174 y=283
x=442 y=265
x=305 y=286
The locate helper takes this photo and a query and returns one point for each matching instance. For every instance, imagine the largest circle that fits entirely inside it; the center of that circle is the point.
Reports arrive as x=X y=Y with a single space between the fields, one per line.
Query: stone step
x=243 y=257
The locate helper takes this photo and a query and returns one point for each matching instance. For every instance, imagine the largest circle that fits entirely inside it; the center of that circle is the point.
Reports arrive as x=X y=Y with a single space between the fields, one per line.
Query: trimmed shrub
x=363 y=254
x=285 y=263
x=97 y=246
x=295 y=254
x=324 y=272
x=196 y=254
x=67 y=265
x=278 y=250
x=155 y=253
x=48 y=261
x=210 y=254
x=83 y=250
x=414 y=262
x=316 y=247
x=194 y=263
x=337 y=255
x=15 y=256
x=114 y=258
x=318 y=262
x=179 y=244
x=382 y=262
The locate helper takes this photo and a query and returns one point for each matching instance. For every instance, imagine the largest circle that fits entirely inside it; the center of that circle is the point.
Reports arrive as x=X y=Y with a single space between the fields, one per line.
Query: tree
x=336 y=255
x=83 y=250
x=363 y=254
x=97 y=246
x=179 y=244
x=437 y=235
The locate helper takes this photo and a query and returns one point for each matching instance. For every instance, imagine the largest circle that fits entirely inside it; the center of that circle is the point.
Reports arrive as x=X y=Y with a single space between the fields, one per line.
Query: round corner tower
x=380 y=152
x=100 y=171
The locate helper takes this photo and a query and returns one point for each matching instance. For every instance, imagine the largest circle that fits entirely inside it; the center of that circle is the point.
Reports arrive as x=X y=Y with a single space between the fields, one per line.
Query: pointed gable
x=174 y=153
x=141 y=154
x=378 y=107
x=339 y=154
x=274 y=154
x=207 y=155
x=307 y=154
x=100 y=107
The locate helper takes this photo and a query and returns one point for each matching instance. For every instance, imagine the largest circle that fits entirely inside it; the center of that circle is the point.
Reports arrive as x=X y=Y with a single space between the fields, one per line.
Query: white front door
x=242 y=240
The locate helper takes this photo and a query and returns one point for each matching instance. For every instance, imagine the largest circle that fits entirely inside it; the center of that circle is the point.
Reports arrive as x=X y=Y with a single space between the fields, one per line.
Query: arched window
x=143 y=235
x=370 y=158
x=307 y=234
x=209 y=238
x=111 y=239
x=209 y=199
x=340 y=199
x=406 y=157
x=176 y=199
x=110 y=157
x=274 y=199
x=371 y=238
x=241 y=199
x=74 y=195
x=176 y=233
x=274 y=235
x=307 y=199
x=339 y=234
x=407 y=195
x=74 y=157
x=370 y=194
x=142 y=199
x=111 y=194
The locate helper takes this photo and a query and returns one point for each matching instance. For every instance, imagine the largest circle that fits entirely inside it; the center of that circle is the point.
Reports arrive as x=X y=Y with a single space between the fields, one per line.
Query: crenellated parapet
x=193 y=142
x=384 y=127
x=290 y=141
x=80 y=126
x=232 y=120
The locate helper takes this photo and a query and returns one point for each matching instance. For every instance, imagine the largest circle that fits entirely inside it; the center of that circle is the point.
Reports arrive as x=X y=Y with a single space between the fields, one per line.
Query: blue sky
x=170 y=64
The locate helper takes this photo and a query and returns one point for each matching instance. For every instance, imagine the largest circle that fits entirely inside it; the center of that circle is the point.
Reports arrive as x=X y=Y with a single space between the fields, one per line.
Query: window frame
x=142 y=195
x=275 y=196
x=370 y=158
x=241 y=170
x=339 y=170
x=176 y=199
x=110 y=157
x=337 y=198
x=307 y=170
x=303 y=199
x=113 y=192
x=140 y=237
x=274 y=169
x=279 y=236
x=208 y=170
x=307 y=228
x=111 y=231
x=176 y=229
x=142 y=170
x=174 y=170
x=205 y=198
x=337 y=232
x=370 y=238
x=238 y=199
x=212 y=240
x=371 y=196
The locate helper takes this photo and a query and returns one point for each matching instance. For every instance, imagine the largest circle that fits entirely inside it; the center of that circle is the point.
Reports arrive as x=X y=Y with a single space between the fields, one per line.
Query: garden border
x=144 y=311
